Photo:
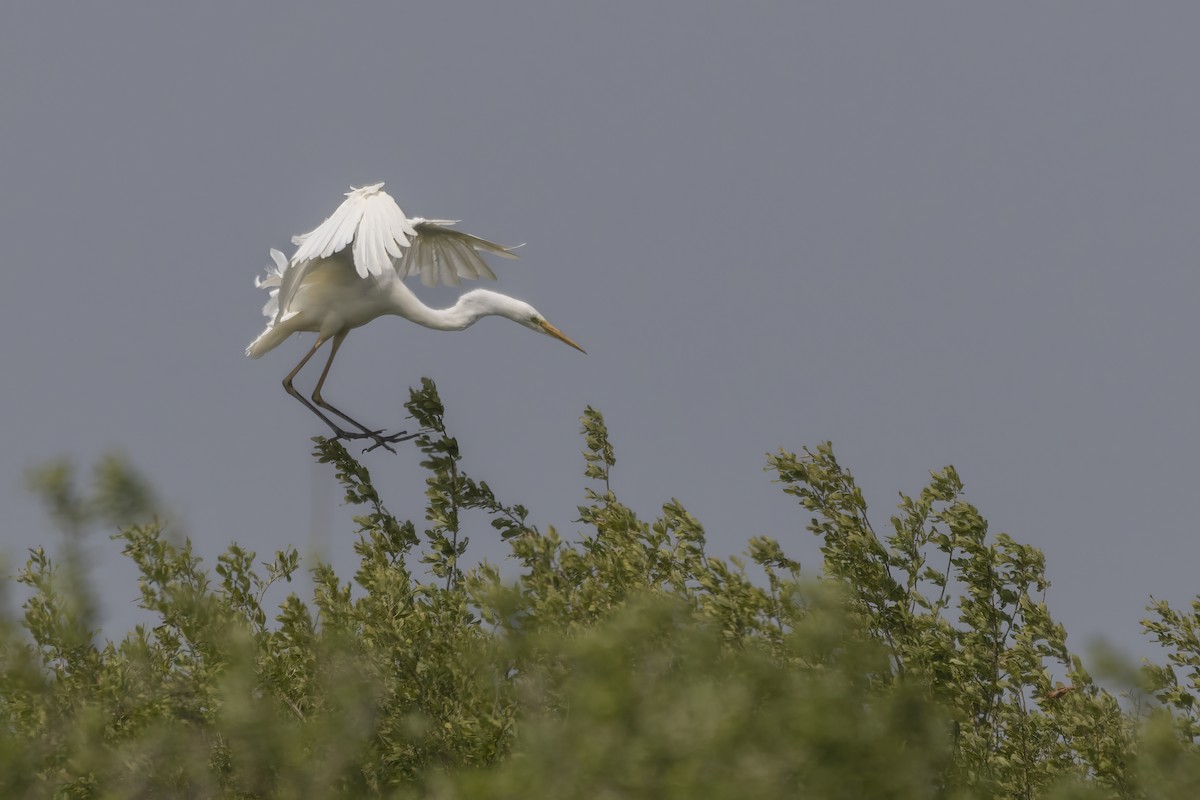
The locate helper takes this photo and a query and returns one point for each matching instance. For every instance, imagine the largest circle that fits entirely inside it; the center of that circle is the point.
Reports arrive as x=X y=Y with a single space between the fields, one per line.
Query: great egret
x=351 y=269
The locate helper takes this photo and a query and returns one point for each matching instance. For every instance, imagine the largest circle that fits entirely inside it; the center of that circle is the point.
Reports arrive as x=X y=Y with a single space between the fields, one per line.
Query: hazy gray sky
x=930 y=232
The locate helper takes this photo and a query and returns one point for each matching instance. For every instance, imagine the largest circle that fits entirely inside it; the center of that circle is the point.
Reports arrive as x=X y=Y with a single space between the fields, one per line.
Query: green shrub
x=630 y=663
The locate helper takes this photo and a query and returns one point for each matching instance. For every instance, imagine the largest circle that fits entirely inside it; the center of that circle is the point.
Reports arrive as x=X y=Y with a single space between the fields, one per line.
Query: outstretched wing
x=369 y=218
x=380 y=237
x=440 y=254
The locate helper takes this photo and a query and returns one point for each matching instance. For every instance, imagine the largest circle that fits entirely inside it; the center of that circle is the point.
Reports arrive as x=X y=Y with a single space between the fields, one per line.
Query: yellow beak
x=550 y=330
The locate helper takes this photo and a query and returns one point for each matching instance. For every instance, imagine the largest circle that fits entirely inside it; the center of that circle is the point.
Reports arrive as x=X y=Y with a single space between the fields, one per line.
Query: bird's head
x=482 y=302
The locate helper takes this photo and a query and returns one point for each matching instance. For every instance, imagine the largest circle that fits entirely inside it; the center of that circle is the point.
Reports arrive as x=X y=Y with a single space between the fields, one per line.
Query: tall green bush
x=625 y=662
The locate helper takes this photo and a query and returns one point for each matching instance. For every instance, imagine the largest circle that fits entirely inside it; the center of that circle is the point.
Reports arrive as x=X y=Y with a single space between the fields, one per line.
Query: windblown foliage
x=629 y=663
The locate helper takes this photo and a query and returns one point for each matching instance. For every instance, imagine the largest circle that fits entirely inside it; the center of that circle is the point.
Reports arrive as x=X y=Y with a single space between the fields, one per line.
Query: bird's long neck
x=456 y=318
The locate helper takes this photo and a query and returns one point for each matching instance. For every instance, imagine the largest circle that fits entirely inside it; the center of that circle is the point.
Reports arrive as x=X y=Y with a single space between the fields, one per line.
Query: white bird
x=350 y=269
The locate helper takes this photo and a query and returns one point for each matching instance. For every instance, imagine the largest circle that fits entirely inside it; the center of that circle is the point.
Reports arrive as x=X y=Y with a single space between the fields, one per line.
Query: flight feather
x=380 y=237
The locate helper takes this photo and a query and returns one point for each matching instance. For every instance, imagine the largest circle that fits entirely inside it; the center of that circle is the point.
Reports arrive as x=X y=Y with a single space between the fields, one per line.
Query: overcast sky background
x=933 y=233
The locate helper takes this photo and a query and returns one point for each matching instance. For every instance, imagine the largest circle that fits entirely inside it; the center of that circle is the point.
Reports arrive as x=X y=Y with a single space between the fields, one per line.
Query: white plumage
x=350 y=269
x=383 y=237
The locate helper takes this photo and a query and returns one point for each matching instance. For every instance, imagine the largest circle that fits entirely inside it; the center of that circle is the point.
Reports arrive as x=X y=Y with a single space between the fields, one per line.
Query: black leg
x=366 y=433
x=287 y=385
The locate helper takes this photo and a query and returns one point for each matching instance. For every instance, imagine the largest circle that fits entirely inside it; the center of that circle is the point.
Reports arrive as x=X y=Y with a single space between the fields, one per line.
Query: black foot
x=380 y=441
x=385 y=441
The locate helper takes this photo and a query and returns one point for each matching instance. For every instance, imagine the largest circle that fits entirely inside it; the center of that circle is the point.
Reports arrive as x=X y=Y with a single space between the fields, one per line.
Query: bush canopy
x=918 y=662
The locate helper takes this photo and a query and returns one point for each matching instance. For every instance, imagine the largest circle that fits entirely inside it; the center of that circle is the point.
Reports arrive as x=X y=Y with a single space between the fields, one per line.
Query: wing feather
x=341 y=235
x=338 y=231
x=467 y=262
x=448 y=264
x=379 y=240
x=425 y=259
x=373 y=228
x=369 y=222
x=463 y=259
x=449 y=270
x=366 y=259
x=441 y=254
